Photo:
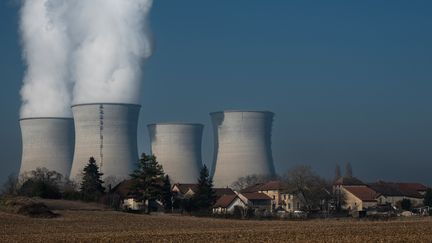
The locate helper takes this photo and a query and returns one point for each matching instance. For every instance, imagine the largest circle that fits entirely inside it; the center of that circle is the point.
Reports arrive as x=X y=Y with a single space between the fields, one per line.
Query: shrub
x=38 y=188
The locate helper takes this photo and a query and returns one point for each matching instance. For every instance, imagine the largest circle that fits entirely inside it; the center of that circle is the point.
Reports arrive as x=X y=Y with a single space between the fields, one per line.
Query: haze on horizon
x=347 y=81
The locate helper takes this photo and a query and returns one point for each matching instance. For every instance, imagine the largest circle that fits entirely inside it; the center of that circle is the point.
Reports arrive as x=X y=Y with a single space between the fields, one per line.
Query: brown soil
x=96 y=226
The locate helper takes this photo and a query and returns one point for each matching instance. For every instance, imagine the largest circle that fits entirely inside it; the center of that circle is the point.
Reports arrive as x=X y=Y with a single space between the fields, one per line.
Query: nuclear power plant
x=107 y=132
x=177 y=147
x=47 y=142
x=242 y=145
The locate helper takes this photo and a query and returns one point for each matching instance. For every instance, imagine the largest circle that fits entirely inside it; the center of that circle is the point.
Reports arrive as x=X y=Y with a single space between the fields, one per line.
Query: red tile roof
x=398 y=189
x=184 y=188
x=363 y=193
x=223 y=191
x=124 y=188
x=412 y=187
x=268 y=186
x=273 y=185
x=386 y=189
x=224 y=201
x=253 y=188
x=256 y=196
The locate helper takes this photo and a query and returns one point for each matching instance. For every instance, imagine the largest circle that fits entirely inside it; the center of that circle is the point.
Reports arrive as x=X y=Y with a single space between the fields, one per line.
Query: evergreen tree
x=167 y=196
x=205 y=196
x=337 y=172
x=427 y=201
x=148 y=180
x=91 y=185
x=348 y=170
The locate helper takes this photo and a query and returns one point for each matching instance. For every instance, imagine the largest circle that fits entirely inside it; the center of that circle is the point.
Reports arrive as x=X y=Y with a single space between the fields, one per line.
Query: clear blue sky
x=348 y=80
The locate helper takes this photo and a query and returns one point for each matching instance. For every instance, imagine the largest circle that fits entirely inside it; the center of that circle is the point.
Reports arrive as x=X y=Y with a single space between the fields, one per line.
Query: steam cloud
x=95 y=46
x=46 y=89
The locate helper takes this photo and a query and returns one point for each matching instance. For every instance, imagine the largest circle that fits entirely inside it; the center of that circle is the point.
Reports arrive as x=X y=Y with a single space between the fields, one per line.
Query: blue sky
x=348 y=80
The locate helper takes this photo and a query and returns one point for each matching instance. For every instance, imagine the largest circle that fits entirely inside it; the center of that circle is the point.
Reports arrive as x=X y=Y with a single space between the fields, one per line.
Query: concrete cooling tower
x=47 y=142
x=242 y=141
x=177 y=147
x=107 y=132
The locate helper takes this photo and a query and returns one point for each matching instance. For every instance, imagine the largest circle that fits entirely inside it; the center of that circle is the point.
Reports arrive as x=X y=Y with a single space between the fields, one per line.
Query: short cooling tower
x=242 y=141
x=107 y=132
x=177 y=147
x=47 y=142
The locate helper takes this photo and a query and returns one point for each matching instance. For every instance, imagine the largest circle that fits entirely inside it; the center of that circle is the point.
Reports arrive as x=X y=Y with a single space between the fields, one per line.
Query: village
x=346 y=196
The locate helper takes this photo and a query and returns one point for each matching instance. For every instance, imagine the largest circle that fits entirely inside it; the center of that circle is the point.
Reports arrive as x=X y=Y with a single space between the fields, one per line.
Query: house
x=394 y=192
x=226 y=204
x=258 y=201
x=291 y=201
x=127 y=201
x=219 y=192
x=184 y=191
x=281 y=195
x=418 y=187
x=358 y=197
x=352 y=201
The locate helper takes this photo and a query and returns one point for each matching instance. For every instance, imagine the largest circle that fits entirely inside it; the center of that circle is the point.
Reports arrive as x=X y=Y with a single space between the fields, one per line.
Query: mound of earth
x=27 y=207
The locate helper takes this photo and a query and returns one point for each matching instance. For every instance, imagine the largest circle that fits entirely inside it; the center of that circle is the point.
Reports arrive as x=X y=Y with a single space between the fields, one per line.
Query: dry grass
x=97 y=226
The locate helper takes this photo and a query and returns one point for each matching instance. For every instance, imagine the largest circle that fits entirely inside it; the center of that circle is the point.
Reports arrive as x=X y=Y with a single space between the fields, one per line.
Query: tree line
x=149 y=184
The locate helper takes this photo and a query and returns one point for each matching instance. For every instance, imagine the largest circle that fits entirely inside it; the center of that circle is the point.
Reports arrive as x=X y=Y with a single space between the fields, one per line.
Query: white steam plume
x=112 y=40
x=46 y=88
x=95 y=47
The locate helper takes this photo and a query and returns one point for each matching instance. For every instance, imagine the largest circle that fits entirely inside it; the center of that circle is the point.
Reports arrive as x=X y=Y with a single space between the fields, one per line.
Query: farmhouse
x=358 y=198
x=184 y=191
x=282 y=197
x=226 y=204
x=258 y=201
x=127 y=201
x=393 y=192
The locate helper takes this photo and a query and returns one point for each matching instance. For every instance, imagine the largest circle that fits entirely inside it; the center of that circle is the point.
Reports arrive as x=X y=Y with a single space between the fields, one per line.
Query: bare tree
x=250 y=180
x=41 y=182
x=45 y=175
x=311 y=186
x=10 y=187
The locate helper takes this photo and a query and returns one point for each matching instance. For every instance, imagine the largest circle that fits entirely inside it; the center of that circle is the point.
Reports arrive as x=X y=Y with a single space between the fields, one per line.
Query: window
x=289 y=205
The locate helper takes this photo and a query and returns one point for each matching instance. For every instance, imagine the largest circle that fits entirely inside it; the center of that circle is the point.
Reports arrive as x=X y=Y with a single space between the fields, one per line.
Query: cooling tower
x=242 y=141
x=107 y=132
x=47 y=142
x=177 y=147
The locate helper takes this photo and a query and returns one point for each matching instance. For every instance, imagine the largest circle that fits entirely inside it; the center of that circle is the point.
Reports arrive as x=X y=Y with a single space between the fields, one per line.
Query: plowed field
x=97 y=226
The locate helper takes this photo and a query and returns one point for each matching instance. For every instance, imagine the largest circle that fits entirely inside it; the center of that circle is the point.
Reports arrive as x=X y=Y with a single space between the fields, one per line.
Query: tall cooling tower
x=242 y=141
x=107 y=132
x=47 y=142
x=177 y=147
